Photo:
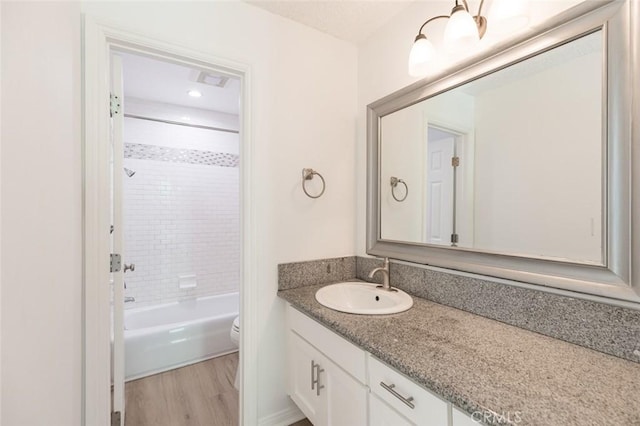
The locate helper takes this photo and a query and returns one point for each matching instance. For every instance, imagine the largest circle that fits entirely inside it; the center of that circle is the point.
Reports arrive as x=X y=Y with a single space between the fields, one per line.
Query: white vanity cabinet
x=327 y=379
x=330 y=382
x=305 y=369
x=381 y=414
x=462 y=419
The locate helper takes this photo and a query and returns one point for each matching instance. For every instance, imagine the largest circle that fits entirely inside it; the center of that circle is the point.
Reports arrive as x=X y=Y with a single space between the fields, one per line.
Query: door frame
x=464 y=147
x=455 y=136
x=98 y=41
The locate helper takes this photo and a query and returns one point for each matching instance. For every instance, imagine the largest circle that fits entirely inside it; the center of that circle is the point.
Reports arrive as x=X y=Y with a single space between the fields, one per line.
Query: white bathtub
x=162 y=337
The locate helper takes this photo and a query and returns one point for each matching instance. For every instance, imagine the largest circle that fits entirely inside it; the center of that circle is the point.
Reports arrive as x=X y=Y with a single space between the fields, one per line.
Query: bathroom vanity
x=460 y=178
x=332 y=378
x=436 y=365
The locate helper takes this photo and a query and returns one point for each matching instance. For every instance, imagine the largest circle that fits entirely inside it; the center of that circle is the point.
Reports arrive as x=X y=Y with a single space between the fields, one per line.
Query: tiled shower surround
x=181 y=218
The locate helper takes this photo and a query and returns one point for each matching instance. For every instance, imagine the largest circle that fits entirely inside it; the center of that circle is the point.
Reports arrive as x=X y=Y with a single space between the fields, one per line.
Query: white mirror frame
x=619 y=278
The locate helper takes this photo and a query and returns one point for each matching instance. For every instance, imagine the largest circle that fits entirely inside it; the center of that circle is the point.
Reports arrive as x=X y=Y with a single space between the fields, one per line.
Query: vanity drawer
x=340 y=351
x=409 y=399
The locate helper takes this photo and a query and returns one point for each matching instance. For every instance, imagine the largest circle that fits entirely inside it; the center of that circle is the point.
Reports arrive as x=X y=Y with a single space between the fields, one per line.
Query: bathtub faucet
x=128 y=299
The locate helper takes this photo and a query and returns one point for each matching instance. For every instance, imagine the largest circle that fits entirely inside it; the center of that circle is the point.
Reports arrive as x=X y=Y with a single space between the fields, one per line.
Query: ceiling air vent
x=212 y=79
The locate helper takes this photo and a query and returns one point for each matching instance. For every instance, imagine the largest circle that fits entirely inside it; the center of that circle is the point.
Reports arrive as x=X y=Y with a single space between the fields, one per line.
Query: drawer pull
x=313 y=374
x=315 y=377
x=393 y=392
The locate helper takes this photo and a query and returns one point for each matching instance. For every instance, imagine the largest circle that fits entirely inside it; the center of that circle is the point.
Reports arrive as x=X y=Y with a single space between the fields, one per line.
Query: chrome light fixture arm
x=427 y=21
x=462 y=27
x=481 y=21
x=466 y=6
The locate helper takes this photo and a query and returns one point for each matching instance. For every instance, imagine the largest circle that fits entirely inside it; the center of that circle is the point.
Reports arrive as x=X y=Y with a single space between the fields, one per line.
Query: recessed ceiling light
x=194 y=93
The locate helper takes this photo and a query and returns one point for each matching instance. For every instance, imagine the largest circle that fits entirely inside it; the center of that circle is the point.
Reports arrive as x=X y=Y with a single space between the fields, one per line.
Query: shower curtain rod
x=197 y=126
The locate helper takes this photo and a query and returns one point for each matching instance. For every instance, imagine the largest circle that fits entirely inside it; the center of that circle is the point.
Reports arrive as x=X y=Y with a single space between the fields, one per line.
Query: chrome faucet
x=385 y=275
x=128 y=299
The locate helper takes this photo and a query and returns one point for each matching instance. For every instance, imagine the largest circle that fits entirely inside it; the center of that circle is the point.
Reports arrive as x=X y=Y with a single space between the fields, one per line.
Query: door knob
x=131 y=267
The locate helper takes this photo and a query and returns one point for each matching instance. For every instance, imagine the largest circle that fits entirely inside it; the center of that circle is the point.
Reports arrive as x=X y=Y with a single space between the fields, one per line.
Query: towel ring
x=307 y=174
x=394 y=183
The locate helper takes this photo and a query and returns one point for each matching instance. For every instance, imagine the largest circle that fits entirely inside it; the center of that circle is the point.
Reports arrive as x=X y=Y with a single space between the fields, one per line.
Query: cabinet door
x=462 y=419
x=303 y=372
x=324 y=392
x=380 y=414
x=347 y=398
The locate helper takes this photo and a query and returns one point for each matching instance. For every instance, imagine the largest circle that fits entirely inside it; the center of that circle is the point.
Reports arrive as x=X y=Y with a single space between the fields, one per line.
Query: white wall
x=41 y=214
x=303 y=115
x=539 y=176
x=179 y=113
x=382 y=69
x=147 y=132
x=404 y=155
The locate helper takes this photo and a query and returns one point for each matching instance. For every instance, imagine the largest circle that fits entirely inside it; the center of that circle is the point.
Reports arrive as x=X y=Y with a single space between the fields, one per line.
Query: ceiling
x=350 y=20
x=166 y=82
x=160 y=81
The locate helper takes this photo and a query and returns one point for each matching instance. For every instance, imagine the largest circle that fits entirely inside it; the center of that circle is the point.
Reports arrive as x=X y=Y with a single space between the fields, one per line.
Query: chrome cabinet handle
x=131 y=267
x=315 y=377
x=393 y=392
x=318 y=385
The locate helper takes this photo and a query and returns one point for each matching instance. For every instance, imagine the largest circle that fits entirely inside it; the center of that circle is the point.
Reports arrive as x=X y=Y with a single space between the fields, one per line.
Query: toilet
x=235 y=338
x=235 y=331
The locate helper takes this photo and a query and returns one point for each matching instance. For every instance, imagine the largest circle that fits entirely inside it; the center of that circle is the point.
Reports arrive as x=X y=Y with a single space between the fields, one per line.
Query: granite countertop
x=484 y=365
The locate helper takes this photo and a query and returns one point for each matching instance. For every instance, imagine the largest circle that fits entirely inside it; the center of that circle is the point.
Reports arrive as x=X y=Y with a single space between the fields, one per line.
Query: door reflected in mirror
x=512 y=162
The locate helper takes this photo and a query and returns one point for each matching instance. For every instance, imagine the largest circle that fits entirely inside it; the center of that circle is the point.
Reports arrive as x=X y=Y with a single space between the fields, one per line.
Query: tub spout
x=128 y=299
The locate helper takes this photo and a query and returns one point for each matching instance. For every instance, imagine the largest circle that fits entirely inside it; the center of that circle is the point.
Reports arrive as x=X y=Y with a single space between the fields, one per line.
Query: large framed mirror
x=519 y=165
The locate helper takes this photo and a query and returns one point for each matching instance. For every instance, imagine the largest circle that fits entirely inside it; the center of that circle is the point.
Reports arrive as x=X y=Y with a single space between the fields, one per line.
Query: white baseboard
x=282 y=418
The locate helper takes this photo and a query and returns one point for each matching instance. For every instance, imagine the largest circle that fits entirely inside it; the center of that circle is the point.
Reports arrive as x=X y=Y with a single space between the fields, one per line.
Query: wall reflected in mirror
x=512 y=162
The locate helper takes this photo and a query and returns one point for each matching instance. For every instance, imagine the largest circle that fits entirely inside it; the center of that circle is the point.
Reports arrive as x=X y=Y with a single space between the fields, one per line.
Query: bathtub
x=163 y=337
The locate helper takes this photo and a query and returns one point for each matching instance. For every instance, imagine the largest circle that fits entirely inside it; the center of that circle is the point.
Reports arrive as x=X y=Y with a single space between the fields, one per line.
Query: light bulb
x=422 y=52
x=461 y=32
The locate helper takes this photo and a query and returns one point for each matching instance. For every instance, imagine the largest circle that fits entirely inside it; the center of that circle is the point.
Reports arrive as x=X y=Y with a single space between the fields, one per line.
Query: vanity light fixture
x=194 y=93
x=463 y=32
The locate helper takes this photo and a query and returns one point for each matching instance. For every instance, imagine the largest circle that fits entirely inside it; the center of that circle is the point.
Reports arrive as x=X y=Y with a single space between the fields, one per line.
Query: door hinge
x=454 y=238
x=114 y=105
x=455 y=161
x=116 y=418
x=115 y=262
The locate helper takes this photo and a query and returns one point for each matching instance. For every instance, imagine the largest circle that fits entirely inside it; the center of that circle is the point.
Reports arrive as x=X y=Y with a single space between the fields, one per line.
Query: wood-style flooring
x=200 y=394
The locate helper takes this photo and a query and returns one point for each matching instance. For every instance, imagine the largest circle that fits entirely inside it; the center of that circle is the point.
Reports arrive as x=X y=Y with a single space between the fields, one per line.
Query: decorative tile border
x=599 y=326
x=140 y=151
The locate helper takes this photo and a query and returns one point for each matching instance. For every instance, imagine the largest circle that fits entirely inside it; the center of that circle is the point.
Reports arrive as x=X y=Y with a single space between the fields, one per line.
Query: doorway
x=176 y=212
x=444 y=148
x=100 y=43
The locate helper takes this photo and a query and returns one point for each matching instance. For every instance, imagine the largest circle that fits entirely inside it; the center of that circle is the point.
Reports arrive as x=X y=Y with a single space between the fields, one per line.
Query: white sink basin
x=363 y=298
